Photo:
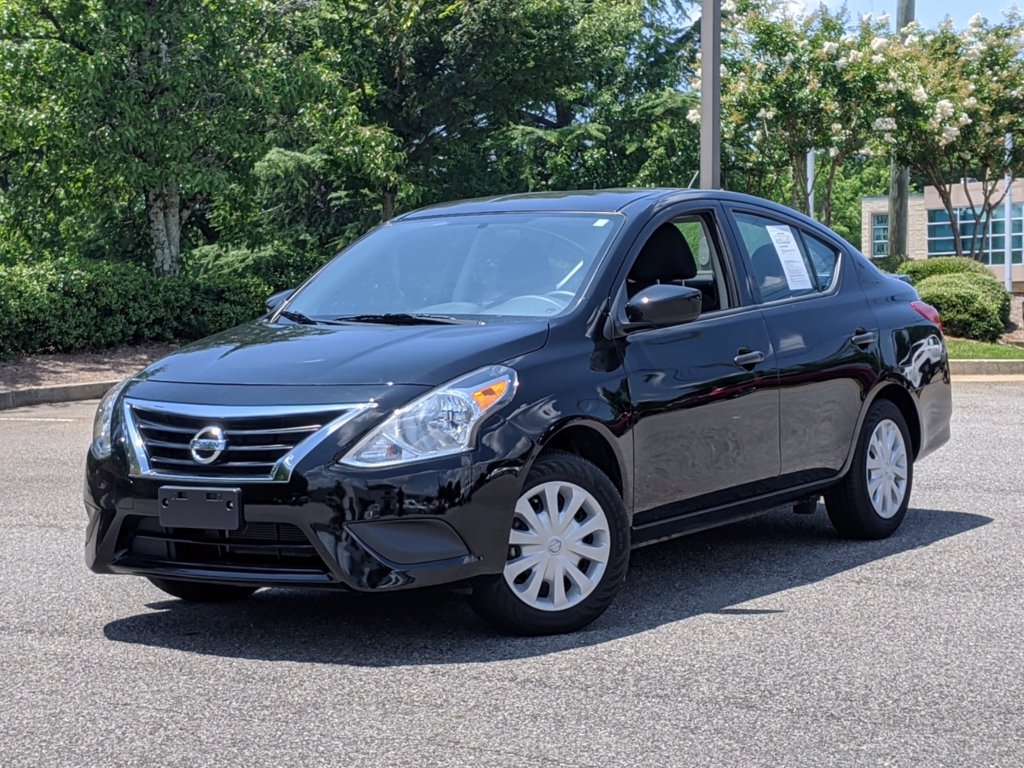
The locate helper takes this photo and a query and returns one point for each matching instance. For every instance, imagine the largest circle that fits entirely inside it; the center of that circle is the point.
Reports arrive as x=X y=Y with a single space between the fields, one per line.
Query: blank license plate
x=217 y=508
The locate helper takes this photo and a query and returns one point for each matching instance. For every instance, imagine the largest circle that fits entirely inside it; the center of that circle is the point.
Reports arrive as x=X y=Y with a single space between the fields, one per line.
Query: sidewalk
x=64 y=377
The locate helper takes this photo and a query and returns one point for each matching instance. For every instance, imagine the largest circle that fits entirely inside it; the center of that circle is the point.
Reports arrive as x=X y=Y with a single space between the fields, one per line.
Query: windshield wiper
x=296 y=317
x=399 y=318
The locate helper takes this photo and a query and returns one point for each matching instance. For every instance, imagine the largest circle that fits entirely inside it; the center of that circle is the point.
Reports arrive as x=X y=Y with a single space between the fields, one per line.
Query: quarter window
x=824 y=259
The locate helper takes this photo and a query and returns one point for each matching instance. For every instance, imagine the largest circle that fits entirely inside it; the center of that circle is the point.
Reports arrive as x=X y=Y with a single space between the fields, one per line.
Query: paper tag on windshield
x=793 y=264
x=600 y=222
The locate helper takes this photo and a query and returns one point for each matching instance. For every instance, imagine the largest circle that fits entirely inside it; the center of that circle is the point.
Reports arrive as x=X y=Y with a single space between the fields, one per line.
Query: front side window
x=682 y=252
x=472 y=266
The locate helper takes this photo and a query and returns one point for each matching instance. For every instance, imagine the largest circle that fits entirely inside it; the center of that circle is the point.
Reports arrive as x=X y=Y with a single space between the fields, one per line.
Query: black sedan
x=509 y=394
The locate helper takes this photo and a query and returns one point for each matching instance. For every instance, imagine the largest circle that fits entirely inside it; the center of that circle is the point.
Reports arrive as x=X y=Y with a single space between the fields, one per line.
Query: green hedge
x=71 y=304
x=973 y=306
x=919 y=270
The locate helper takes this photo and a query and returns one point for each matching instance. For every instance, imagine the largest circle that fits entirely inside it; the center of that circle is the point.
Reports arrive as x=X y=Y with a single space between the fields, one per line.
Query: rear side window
x=780 y=263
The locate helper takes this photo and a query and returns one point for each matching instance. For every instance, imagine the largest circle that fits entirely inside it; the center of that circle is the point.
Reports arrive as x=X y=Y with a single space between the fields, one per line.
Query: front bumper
x=326 y=527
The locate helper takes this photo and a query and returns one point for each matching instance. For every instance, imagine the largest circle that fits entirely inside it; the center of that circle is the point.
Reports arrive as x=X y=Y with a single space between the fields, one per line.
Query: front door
x=705 y=396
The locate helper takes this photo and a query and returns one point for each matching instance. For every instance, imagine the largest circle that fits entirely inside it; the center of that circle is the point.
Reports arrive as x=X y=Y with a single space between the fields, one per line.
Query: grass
x=963 y=349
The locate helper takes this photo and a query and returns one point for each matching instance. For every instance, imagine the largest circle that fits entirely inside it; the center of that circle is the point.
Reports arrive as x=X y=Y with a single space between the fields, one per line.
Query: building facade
x=930 y=231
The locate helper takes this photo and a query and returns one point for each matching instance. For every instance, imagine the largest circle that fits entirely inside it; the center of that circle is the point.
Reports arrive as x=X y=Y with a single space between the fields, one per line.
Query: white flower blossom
x=765 y=114
x=964 y=119
x=866 y=18
x=912 y=40
x=889 y=138
x=884 y=19
x=884 y=124
x=856 y=56
x=976 y=22
x=848 y=38
x=949 y=134
x=756 y=137
x=841 y=63
x=877 y=58
x=728 y=6
x=944 y=109
x=837 y=129
x=693 y=116
x=829 y=48
x=833 y=152
x=788 y=59
x=879 y=44
x=920 y=94
x=802 y=44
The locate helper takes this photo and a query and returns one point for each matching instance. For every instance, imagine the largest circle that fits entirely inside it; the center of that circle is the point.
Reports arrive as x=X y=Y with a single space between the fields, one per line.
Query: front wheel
x=871 y=501
x=567 y=551
x=200 y=592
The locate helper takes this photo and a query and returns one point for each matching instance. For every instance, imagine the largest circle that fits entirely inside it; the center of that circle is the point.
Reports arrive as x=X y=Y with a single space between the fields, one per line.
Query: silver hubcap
x=887 y=469
x=558 y=548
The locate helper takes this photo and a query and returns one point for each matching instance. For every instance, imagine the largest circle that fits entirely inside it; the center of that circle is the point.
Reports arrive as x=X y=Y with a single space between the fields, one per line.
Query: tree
x=954 y=96
x=158 y=101
x=794 y=84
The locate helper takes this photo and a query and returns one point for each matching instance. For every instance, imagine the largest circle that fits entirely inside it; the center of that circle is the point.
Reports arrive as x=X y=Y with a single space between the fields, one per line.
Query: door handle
x=747 y=358
x=863 y=338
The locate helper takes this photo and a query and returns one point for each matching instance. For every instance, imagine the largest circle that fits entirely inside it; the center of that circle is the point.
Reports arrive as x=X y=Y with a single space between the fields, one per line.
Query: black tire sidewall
x=500 y=606
x=855 y=515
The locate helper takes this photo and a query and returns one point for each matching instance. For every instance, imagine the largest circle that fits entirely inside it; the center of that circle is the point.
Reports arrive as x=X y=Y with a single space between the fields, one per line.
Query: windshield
x=470 y=266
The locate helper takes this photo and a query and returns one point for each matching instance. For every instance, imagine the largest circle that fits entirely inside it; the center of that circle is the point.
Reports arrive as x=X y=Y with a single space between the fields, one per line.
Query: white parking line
x=39 y=418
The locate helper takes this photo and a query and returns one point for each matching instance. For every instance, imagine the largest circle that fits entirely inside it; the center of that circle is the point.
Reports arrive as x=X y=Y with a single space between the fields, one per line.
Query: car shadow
x=710 y=572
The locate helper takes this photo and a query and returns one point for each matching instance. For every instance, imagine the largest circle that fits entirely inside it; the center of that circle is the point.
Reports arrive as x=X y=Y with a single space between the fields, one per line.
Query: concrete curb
x=986 y=367
x=62 y=393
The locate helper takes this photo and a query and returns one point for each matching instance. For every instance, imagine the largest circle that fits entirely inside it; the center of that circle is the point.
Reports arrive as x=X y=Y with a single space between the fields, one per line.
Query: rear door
x=704 y=393
x=823 y=332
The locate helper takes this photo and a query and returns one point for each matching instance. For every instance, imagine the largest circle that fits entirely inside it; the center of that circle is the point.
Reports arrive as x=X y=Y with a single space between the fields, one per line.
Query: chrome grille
x=261 y=443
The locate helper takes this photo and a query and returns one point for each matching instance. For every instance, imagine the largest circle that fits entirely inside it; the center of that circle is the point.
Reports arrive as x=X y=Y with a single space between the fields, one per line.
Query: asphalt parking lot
x=771 y=642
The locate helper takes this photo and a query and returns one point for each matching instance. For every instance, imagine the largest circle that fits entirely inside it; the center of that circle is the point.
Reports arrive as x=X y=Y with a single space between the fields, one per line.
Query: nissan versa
x=509 y=394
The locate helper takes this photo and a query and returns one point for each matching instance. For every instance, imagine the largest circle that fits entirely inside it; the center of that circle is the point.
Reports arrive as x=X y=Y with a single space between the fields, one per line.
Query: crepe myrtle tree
x=953 y=95
x=795 y=83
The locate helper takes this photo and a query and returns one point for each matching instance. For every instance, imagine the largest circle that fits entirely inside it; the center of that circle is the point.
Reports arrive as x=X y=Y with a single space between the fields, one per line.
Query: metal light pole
x=1008 y=219
x=710 y=94
x=899 y=177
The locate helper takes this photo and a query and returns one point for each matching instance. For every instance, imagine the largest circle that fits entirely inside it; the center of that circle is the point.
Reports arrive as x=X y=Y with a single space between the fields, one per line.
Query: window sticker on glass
x=793 y=264
x=600 y=222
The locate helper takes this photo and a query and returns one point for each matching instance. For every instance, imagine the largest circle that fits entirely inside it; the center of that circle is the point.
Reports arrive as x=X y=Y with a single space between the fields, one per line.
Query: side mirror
x=659 y=306
x=278 y=299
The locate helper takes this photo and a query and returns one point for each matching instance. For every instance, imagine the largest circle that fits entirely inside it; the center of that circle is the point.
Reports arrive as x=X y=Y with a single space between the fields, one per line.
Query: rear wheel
x=871 y=501
x=567 y=553
x=199 y=592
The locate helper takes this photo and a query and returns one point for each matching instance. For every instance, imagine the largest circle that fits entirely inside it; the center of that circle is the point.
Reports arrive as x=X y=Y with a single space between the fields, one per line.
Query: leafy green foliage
x=69 y=304
x=919 y=270
x=971 y=305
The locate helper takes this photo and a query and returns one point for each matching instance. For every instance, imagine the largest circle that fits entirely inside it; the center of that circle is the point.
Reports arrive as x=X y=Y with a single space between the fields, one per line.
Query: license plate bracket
x=208 y=508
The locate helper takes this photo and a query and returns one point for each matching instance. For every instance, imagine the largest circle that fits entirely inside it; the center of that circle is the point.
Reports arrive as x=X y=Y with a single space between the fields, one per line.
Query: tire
x=559 y=580
x=871 y=501
x=200 y=592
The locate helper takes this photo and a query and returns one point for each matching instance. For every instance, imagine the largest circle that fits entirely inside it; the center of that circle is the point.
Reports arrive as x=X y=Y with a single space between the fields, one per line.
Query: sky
x=929 y=12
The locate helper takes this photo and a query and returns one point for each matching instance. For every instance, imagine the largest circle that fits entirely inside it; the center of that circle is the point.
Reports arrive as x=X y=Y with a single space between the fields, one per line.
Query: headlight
x=101 y=425
x=441 y=422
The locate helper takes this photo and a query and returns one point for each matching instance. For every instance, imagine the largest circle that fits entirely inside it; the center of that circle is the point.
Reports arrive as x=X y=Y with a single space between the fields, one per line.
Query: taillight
x=928 y=312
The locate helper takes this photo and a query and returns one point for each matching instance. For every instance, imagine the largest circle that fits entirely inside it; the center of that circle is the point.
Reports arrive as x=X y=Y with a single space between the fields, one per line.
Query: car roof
x=626 y=201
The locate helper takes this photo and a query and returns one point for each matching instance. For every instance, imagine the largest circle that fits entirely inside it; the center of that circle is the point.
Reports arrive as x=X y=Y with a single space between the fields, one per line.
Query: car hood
x=263 y=353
